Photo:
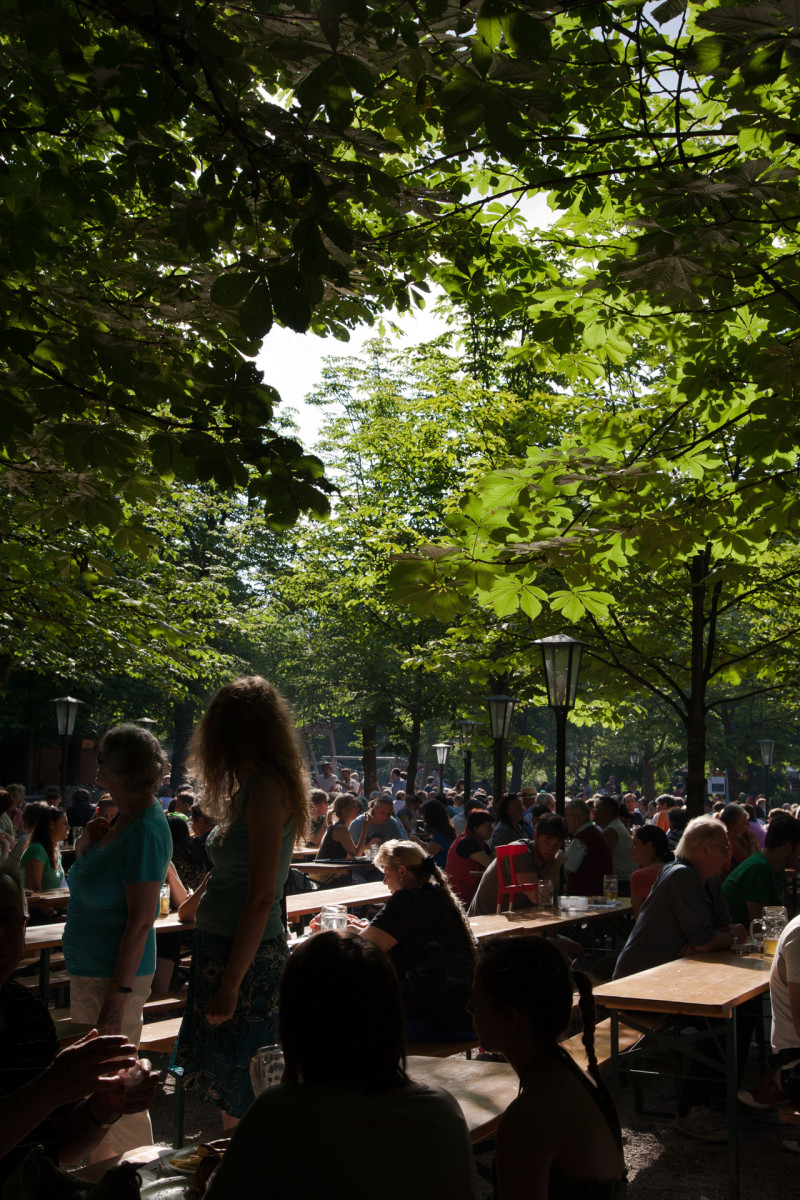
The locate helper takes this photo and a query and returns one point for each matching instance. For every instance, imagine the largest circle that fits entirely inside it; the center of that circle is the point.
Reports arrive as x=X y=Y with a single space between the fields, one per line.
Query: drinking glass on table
x=757 y=930
x=610 y=888
x=333 y=916
x=545 y=892
x=266 y=1068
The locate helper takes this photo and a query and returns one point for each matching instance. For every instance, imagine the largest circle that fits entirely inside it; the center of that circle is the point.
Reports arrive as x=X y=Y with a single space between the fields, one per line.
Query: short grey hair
x=133 y=756
x=579 y=806
x=698 y=831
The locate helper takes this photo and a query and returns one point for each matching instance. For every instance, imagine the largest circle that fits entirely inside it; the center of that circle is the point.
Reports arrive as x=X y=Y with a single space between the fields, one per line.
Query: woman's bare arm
x=188 y=909
x=141 y=899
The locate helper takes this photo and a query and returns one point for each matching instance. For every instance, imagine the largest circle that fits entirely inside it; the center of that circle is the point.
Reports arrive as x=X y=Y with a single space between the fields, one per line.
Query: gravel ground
x=661 y=1163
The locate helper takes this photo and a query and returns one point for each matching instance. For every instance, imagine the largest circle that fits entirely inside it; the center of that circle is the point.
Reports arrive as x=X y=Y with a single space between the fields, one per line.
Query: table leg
x=733 y=1108
x=615 y=1055
x=44 y=976
x=177 y=1111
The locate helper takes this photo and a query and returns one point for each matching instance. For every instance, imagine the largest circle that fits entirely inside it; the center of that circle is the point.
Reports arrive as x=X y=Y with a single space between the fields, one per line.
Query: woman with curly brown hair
x=255 y=785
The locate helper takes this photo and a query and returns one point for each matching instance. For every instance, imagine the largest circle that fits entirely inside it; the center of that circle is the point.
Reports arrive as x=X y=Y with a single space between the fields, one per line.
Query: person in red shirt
x=470 y=855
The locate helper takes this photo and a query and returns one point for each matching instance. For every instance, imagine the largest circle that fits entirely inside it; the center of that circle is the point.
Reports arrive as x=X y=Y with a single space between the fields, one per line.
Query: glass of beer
x=610 y=888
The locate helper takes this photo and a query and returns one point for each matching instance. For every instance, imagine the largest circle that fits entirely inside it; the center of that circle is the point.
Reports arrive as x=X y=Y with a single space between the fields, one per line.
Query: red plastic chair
x=512 y=888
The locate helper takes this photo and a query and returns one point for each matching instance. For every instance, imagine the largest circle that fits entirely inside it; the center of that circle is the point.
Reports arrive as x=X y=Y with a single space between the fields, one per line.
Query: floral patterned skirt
x=215 y=1059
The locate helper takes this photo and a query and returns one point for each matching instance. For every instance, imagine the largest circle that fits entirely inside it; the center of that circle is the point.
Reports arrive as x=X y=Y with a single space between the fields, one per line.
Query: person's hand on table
x=739 y=933
x=110 y=1017
x=88 y=1066
x=223 y=1004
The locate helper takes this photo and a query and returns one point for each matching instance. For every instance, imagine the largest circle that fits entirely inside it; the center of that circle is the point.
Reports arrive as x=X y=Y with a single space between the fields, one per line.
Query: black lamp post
x=561 y=656
x=66 y=712
x=442 y=754
x=147 y=723
x=500 y=710
x=466 y=732
x=767 y=748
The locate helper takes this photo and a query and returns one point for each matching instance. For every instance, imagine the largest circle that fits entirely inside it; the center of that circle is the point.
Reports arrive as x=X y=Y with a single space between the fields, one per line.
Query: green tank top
x=226 y=891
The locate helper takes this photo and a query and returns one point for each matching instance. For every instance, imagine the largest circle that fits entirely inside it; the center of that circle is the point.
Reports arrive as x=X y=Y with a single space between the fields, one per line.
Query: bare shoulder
x=266 y=790
x=268 y=800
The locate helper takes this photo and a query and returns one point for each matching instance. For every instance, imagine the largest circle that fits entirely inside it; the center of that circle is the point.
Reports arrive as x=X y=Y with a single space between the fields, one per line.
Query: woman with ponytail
x=423 y=928
x=560 y=1139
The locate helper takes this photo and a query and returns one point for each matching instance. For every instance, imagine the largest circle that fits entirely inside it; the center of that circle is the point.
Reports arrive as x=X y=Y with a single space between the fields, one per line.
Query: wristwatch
x=117 y=987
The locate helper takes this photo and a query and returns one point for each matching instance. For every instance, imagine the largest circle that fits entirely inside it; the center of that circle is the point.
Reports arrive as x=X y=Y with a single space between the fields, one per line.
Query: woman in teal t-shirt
x=115 y=885
x=41 y=860
x=256 y=785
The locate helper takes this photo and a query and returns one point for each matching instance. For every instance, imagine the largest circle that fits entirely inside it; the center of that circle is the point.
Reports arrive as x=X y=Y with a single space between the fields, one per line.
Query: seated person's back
x=347 y=1121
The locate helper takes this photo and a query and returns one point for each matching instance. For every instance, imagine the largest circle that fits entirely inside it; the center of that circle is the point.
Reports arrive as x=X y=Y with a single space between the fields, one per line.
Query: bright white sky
x=292 y=362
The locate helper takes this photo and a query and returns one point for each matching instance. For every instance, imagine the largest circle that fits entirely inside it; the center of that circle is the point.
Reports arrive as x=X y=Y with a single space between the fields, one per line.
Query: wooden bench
x=57 y=981
x=602 y=1044
x=166 y=1002
x=158 y=1037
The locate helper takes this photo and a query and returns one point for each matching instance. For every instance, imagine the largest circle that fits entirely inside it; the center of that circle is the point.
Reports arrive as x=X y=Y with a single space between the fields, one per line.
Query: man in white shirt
x=327 y=780
x=783 y=1083
x=349 y=782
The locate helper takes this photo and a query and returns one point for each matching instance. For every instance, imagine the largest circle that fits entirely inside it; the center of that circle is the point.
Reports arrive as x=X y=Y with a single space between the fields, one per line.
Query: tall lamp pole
x=466 y=732
x=635 y=758
x=767 y=748
x=561 y=657
x=500 y=711
x=66 y=712
x=442 y=754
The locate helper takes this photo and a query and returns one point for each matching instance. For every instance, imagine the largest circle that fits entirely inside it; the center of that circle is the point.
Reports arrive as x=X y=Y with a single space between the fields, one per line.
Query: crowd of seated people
x=435 y=851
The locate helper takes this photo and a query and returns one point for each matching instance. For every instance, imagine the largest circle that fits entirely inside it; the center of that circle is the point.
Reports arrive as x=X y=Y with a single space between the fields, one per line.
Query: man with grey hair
x=686 y=914
x=588 y=854
x=63 y=1100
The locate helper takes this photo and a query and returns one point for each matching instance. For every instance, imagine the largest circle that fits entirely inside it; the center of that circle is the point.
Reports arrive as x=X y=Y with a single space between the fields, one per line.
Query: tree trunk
x=184 y=716
x=369 y=759
x=696 y=706
x=7 y=664
x=649 y=772
x=413 y=753
x=517 y=758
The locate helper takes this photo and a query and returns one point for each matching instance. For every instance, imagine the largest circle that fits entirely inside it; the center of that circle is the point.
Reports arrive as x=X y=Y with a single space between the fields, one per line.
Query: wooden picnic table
x=712 y=986
x=483 y=1090
x=57 y=898
x=535 y=921
x=332 y=864
x=46 y=938
x=356 y=894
